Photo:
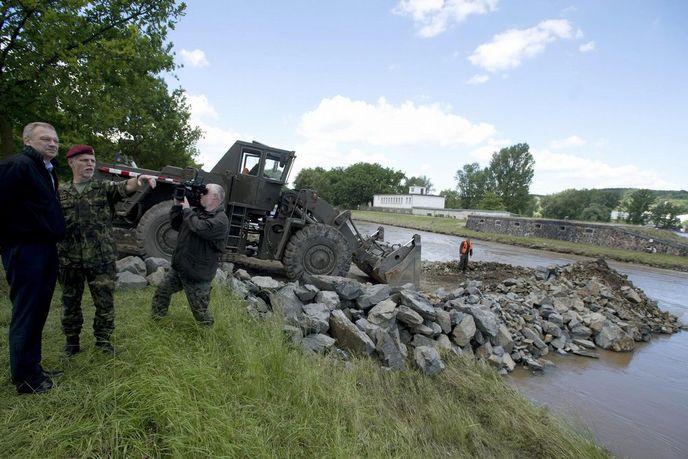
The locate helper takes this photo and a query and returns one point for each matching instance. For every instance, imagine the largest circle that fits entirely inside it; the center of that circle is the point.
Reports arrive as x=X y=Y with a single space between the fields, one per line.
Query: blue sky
x=598 y=89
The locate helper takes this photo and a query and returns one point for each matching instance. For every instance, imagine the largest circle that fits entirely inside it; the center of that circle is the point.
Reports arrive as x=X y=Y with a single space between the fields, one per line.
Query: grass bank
x=238 y=390
x=458 y=228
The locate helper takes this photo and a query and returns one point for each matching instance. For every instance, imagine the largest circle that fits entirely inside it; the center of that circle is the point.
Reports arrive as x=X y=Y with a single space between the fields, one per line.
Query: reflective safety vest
x=466 y=246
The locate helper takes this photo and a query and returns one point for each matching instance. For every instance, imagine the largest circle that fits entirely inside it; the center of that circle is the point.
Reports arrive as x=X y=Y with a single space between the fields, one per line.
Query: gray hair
x=218 y=190
x=28 y=129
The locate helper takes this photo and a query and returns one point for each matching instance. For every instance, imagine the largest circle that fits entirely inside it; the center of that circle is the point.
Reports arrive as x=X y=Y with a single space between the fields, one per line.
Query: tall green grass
x=454 y=227
x=239 y=390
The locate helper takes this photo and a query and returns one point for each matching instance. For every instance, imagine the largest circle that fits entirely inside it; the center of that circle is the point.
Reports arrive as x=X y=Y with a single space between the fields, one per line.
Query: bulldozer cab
x=255 y=174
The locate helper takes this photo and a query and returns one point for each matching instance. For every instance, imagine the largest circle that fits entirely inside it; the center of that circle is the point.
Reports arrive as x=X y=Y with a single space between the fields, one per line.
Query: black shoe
x=72 y=346
x=106 y=347
x=53 y=374
x=26 y=388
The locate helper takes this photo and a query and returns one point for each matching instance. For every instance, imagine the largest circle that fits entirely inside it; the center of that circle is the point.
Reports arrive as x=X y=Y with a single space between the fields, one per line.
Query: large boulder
x=464 y=331
x=373 y=295
x=154 y=263
x=418 y=303
x=286 y=303
x=349 y=336
x=612 y=337
x=347 y=289
x=132 y=264
x=316 y=318
x=428 y=360
x=129 y=280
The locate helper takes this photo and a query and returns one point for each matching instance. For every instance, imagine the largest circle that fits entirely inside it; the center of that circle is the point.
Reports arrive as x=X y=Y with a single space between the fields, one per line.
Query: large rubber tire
x=154 y=234
x=317 y=249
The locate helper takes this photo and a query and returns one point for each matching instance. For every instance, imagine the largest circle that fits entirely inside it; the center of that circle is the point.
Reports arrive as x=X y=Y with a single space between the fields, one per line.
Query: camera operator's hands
x=185 y=203
x=146 y=178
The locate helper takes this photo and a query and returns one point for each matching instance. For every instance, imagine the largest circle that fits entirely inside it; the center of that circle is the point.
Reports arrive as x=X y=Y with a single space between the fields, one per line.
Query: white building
x=417 y=197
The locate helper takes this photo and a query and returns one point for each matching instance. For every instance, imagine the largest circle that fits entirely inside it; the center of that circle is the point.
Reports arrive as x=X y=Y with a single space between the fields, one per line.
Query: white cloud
x=215 y=141
x=478 y=79
x=587 y=47
x=200 y=107
x=571 y=141
x=555 y=172
x=194 y=58
x=508 y=49
x=342 y=120
x=433 y=17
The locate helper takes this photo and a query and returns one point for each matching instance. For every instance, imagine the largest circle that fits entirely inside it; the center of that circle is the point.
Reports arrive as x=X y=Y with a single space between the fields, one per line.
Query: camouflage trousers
x=101 y=284
x=197 y=293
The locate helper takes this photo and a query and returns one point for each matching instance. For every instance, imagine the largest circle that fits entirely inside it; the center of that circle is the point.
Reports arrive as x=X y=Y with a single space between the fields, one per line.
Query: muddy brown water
x=635 y=404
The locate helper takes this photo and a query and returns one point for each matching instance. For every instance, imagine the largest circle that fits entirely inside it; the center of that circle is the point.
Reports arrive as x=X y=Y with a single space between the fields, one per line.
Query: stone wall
x=565 y=230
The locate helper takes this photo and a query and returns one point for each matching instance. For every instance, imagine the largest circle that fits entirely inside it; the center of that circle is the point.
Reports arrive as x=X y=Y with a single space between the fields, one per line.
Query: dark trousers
x=31 y=271
x=463 y=262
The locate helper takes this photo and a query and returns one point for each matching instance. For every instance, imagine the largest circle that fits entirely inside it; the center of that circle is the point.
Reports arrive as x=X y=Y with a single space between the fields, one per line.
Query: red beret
x=80 y=150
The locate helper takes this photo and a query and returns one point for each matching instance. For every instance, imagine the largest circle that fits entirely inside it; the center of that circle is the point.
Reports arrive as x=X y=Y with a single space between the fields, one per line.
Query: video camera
x=192 y=190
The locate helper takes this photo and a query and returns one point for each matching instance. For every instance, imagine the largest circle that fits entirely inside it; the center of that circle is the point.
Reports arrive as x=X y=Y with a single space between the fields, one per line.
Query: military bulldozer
x=267 y=220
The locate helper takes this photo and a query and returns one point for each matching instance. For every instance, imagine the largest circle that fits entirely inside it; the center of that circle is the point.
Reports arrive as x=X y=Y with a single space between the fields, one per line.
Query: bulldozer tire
x=154 y=234
x=317 y=249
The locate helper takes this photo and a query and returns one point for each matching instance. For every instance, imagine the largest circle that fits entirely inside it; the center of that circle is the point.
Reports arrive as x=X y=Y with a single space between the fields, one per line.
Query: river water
x=635 y=404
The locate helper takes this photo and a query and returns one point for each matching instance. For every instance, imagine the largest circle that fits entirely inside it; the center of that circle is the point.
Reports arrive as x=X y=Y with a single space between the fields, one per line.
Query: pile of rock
x=518 y=320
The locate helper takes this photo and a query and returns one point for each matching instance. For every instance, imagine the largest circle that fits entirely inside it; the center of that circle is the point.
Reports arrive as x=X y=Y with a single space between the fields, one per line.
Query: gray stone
x=153 y=263
x=418 y=303
x=347 y=289
x=219 y=279
x=349 y=336
x=409 y=316
x=258 y=304
x=388 y=350
x=464 y=332
x=383 y=312
x=631 y=295
x=155 y=278
x=373 y=295
x=318 y=343
x=266 y=282
x=428 y=360
x=420 y=340
x=531 y=335
x=242 y=275
x=131 y=264
x=424 y=330
x=129 y=280
x=485 y=320
x=237 y=287
x=444 y=320
x=331 y=299
x=316 y=318
x=504 y=338
x=307 y=292
x=368 y=328
x=611 y=336
x=293 y=333
x=580 y=331
x=287 y=304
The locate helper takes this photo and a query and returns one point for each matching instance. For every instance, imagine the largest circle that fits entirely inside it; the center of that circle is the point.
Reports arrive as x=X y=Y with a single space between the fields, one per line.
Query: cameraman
x=202 y=237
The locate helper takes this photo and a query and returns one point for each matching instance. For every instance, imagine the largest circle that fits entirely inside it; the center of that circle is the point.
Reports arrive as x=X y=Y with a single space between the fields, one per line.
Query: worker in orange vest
x=465 y=249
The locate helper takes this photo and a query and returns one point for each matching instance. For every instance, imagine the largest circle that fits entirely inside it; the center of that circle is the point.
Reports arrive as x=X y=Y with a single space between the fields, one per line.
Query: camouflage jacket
x=89 y=241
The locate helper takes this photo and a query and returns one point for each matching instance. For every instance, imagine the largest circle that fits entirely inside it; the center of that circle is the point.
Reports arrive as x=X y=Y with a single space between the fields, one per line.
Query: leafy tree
x=452 y=200
x=360 y=181
x=512 y=172
x=423 y=181
x=636 y=204
x=473 y=183
x=491 y=201
x=90 y=68
x=664 y=215
x=595 y=212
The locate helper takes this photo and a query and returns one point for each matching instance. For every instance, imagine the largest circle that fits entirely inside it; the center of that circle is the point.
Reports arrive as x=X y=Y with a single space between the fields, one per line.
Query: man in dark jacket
x=32 y=223
x=88 y=252
x=202 y=237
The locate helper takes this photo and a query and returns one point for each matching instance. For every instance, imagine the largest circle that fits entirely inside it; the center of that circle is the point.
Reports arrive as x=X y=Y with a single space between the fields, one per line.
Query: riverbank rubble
x=501 y=314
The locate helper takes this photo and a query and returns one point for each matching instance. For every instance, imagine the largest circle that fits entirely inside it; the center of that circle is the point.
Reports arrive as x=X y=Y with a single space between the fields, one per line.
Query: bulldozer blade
x=403 y=265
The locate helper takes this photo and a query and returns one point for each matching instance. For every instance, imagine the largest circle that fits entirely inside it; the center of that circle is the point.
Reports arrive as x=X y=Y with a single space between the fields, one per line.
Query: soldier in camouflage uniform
x=88 y=252
x=202 y=237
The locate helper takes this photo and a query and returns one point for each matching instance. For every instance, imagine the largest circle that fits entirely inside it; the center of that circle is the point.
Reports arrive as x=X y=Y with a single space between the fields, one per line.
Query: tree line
x=93 y=70
x=503 y=185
